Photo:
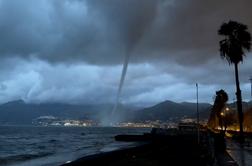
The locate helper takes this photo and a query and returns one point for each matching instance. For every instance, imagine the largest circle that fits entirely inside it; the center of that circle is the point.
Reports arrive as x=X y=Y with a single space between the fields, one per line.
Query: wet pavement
x=241 y=154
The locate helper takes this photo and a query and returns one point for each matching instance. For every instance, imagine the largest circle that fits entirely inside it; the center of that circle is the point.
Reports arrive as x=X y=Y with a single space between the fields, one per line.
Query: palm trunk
x=239 y=102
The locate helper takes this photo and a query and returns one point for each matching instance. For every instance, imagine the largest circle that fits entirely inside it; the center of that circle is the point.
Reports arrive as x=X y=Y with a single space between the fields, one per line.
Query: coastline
x=179 y=150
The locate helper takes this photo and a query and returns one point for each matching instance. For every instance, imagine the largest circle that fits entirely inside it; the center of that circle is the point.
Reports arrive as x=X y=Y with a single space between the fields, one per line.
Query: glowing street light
x=251 y=85
x=198 y=125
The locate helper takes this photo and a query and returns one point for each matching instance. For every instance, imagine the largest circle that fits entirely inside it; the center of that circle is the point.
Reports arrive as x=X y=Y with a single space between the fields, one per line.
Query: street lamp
x=197 y=96
x=251 y=85
x=222 y=114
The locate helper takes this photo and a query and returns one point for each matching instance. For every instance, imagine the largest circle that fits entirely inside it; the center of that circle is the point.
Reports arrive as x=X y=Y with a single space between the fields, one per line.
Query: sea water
x=50 y=146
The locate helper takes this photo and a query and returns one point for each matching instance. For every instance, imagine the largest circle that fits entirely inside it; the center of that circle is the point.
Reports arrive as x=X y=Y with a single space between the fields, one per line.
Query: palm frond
x=237 y=41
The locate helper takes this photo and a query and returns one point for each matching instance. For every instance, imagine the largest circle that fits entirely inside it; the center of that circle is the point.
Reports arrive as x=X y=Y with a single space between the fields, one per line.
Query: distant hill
x=19 y=112
x=169 y=110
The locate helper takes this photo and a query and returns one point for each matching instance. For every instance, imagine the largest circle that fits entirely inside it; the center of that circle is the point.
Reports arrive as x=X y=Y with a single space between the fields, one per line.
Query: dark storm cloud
x=46 y=29
x=186 y=31
x=93 y=31
x=100 y=32
x=127 y=19
x=173 y=44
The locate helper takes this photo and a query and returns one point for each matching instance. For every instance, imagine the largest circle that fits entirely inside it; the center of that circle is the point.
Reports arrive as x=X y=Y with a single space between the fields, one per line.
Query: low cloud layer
x=38 y=81
x=72 y=51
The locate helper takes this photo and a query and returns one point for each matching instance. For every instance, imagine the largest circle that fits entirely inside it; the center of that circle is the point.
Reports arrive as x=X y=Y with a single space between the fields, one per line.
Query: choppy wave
x=21 y=157
x=47 y=146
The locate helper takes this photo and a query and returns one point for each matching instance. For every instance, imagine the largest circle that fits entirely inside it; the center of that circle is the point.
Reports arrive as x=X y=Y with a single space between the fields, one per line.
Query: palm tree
x=232 y=48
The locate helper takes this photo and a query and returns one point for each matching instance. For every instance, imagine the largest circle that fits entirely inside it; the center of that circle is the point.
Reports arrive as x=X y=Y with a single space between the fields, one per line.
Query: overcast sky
x=72 y=51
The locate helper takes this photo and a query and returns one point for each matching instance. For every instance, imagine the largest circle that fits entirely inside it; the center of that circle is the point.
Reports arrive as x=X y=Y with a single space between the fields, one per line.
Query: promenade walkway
x=242 y=155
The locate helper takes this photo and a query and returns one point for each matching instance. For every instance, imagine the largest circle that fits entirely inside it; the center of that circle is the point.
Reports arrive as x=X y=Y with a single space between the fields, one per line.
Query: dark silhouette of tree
x=232 y=48
x=215 y=118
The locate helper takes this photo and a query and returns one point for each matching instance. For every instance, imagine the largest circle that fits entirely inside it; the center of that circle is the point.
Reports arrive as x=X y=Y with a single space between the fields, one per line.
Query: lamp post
x=251 y=86
x=222 y=119
x=198 y=126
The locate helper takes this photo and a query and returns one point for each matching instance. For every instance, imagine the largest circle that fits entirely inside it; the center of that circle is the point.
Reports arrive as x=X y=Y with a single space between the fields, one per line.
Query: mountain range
x=21 y=113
